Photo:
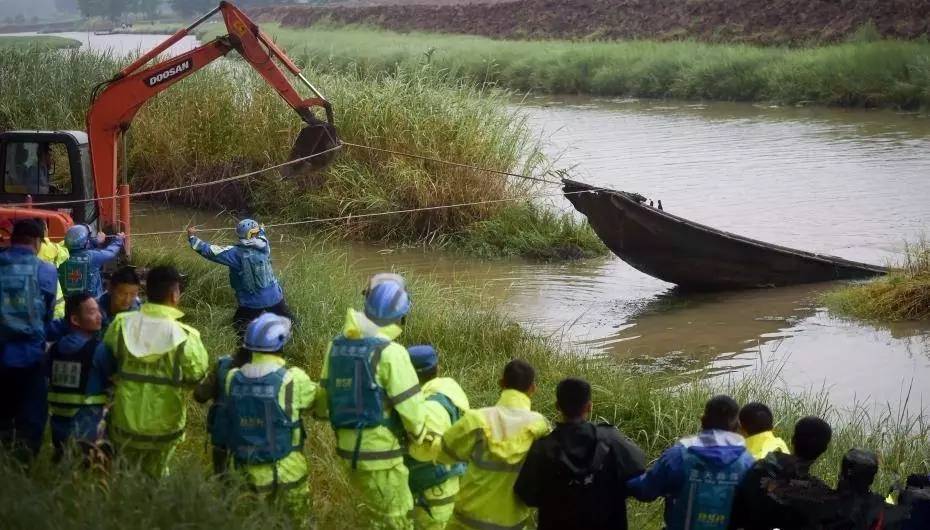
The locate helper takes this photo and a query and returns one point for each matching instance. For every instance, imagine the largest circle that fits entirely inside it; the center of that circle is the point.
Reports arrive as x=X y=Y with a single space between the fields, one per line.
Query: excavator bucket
x=315 y=138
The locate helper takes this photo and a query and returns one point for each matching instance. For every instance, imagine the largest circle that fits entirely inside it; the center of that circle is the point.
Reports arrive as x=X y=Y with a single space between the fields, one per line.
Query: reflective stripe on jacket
x=380 y=448
x=232 y=257
x=494 y=441
x=156 y=357
x=70 y=388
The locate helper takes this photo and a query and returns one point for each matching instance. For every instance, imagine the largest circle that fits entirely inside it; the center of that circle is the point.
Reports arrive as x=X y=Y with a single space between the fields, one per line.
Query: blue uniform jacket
x=666 y=478
x=83 y=425
x=98 y=258
x=231 y=257
x=28 y=352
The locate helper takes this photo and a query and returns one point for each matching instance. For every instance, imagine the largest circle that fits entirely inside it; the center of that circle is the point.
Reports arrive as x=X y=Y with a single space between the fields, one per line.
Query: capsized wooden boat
x=695 y=256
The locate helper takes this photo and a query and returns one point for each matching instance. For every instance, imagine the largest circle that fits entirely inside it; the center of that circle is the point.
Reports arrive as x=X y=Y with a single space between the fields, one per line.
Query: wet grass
x=224 y=121
x=475 y=340
x=38 y=42
x=904 y=294
x=865 y=72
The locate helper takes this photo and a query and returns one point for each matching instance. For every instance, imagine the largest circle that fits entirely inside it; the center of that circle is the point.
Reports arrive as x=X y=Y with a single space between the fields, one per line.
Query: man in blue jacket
x=28 y=288
x=81 y=272
x=698 y=475
x=79 y=374
x=250 y=272
x=122 y=295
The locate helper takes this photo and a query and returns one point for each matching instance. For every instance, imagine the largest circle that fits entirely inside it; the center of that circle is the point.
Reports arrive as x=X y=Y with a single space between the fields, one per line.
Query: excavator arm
x=117 y=101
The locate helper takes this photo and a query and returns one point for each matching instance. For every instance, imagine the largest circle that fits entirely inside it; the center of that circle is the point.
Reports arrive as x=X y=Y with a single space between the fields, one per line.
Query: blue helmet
x=77 y=237
x=386 y=301
x=267 y=333
x=247 y=229
x=423 y=357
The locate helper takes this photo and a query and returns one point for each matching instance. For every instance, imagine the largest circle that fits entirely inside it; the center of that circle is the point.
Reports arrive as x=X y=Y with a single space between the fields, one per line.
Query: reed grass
x=225 y=120
x=904 y=294
x=475 y=340
x=864 y=72
x=40 y=42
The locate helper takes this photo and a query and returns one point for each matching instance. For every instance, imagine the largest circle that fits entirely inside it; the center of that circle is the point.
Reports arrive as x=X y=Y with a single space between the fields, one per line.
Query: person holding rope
x=250 y=272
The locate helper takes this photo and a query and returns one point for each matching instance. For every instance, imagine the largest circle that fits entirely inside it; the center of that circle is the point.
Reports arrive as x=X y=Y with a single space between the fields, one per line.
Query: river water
x=845 y=182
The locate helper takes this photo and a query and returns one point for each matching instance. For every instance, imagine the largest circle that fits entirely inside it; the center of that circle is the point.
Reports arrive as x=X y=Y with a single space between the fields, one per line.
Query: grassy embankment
x=224 y=121
x=476 y=341
x=904 y=294
x=37 y=42
x=865 y=72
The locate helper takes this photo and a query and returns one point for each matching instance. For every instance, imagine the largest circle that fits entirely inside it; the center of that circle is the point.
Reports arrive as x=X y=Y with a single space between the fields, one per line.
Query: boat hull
x=696 y=256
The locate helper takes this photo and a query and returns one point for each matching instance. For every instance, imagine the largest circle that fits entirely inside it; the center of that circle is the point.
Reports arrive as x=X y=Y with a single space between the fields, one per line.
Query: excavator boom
x=118 y=100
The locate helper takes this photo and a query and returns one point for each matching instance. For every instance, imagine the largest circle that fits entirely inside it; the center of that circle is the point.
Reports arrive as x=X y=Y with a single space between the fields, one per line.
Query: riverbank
x=236 y=123
x=904 y=294
x=475 y=340
x=38 y=42
x=799 y=22
x=866 y=73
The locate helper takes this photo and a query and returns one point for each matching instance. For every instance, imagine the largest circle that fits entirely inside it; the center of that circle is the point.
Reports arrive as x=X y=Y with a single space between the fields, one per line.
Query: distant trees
x=111 y=9
x=192 y=7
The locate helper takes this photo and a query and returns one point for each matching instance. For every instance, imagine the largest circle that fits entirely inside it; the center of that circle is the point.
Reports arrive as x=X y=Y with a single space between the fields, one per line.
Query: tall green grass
x=862 y=73
x=41 y=42
x=475 y=340
x=225 y=120
x=904 y=294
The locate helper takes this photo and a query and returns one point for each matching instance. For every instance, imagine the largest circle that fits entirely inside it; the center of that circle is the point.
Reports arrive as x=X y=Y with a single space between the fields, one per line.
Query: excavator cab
x=38 y=168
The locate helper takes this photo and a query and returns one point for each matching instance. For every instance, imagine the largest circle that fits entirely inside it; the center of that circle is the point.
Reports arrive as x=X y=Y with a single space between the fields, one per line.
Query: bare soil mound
x=754 y=21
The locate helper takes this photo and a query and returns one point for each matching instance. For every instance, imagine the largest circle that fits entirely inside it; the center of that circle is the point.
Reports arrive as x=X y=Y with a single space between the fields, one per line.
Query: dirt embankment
x=755 y=21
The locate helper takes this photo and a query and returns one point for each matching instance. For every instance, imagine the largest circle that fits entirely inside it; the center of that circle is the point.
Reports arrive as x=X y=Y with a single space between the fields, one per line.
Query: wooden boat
x=695 y=256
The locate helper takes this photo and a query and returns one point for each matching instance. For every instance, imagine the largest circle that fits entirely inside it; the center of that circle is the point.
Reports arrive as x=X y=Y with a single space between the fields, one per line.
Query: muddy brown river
x=846 y=182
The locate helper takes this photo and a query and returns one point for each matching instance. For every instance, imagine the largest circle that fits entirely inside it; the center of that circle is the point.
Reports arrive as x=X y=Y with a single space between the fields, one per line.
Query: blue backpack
x=707 y=494
x=218 y=423
x=355 y=399
x=425 y=475
x=22 y=306
x=256 y=272
x=75 y=274
x=261 y=430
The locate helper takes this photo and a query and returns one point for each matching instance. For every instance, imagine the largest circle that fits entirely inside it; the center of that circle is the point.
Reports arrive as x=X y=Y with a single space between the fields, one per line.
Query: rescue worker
x=916 y=499
x=56 y=254
x=434 y=486
x=371 y=395
x=576 y=475
x=81 y=271
x=250 y=272
x=155 y=357
x=698 y=475
x=265 y=399
x=756 y=424
x=213 y=388
x=779 y=490
x=27 y=303
x=494 y=441
x=79 y=376
x=122 y=295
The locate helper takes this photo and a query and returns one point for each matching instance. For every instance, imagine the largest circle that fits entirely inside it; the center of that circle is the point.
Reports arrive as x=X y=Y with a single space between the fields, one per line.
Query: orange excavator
x=68 y=177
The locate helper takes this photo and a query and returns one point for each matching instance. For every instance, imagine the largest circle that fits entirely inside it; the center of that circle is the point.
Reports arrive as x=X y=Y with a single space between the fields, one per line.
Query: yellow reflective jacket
x=156 y=357
x=764 y=443
x=438 y=422
x=380 y=448
x=494 y=441
x=56 y=254
x=292 y=469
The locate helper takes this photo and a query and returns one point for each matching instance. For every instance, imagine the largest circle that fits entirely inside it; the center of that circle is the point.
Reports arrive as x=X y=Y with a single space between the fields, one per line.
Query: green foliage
x=475 y=341
x=234 y=122
x=111 y=9
x=867 y=72
x=38 y=42
x=904 y=294
x=190 y=8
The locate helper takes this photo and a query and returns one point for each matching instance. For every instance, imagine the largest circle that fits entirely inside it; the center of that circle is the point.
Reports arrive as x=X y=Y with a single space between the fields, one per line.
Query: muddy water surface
x=851 y=183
